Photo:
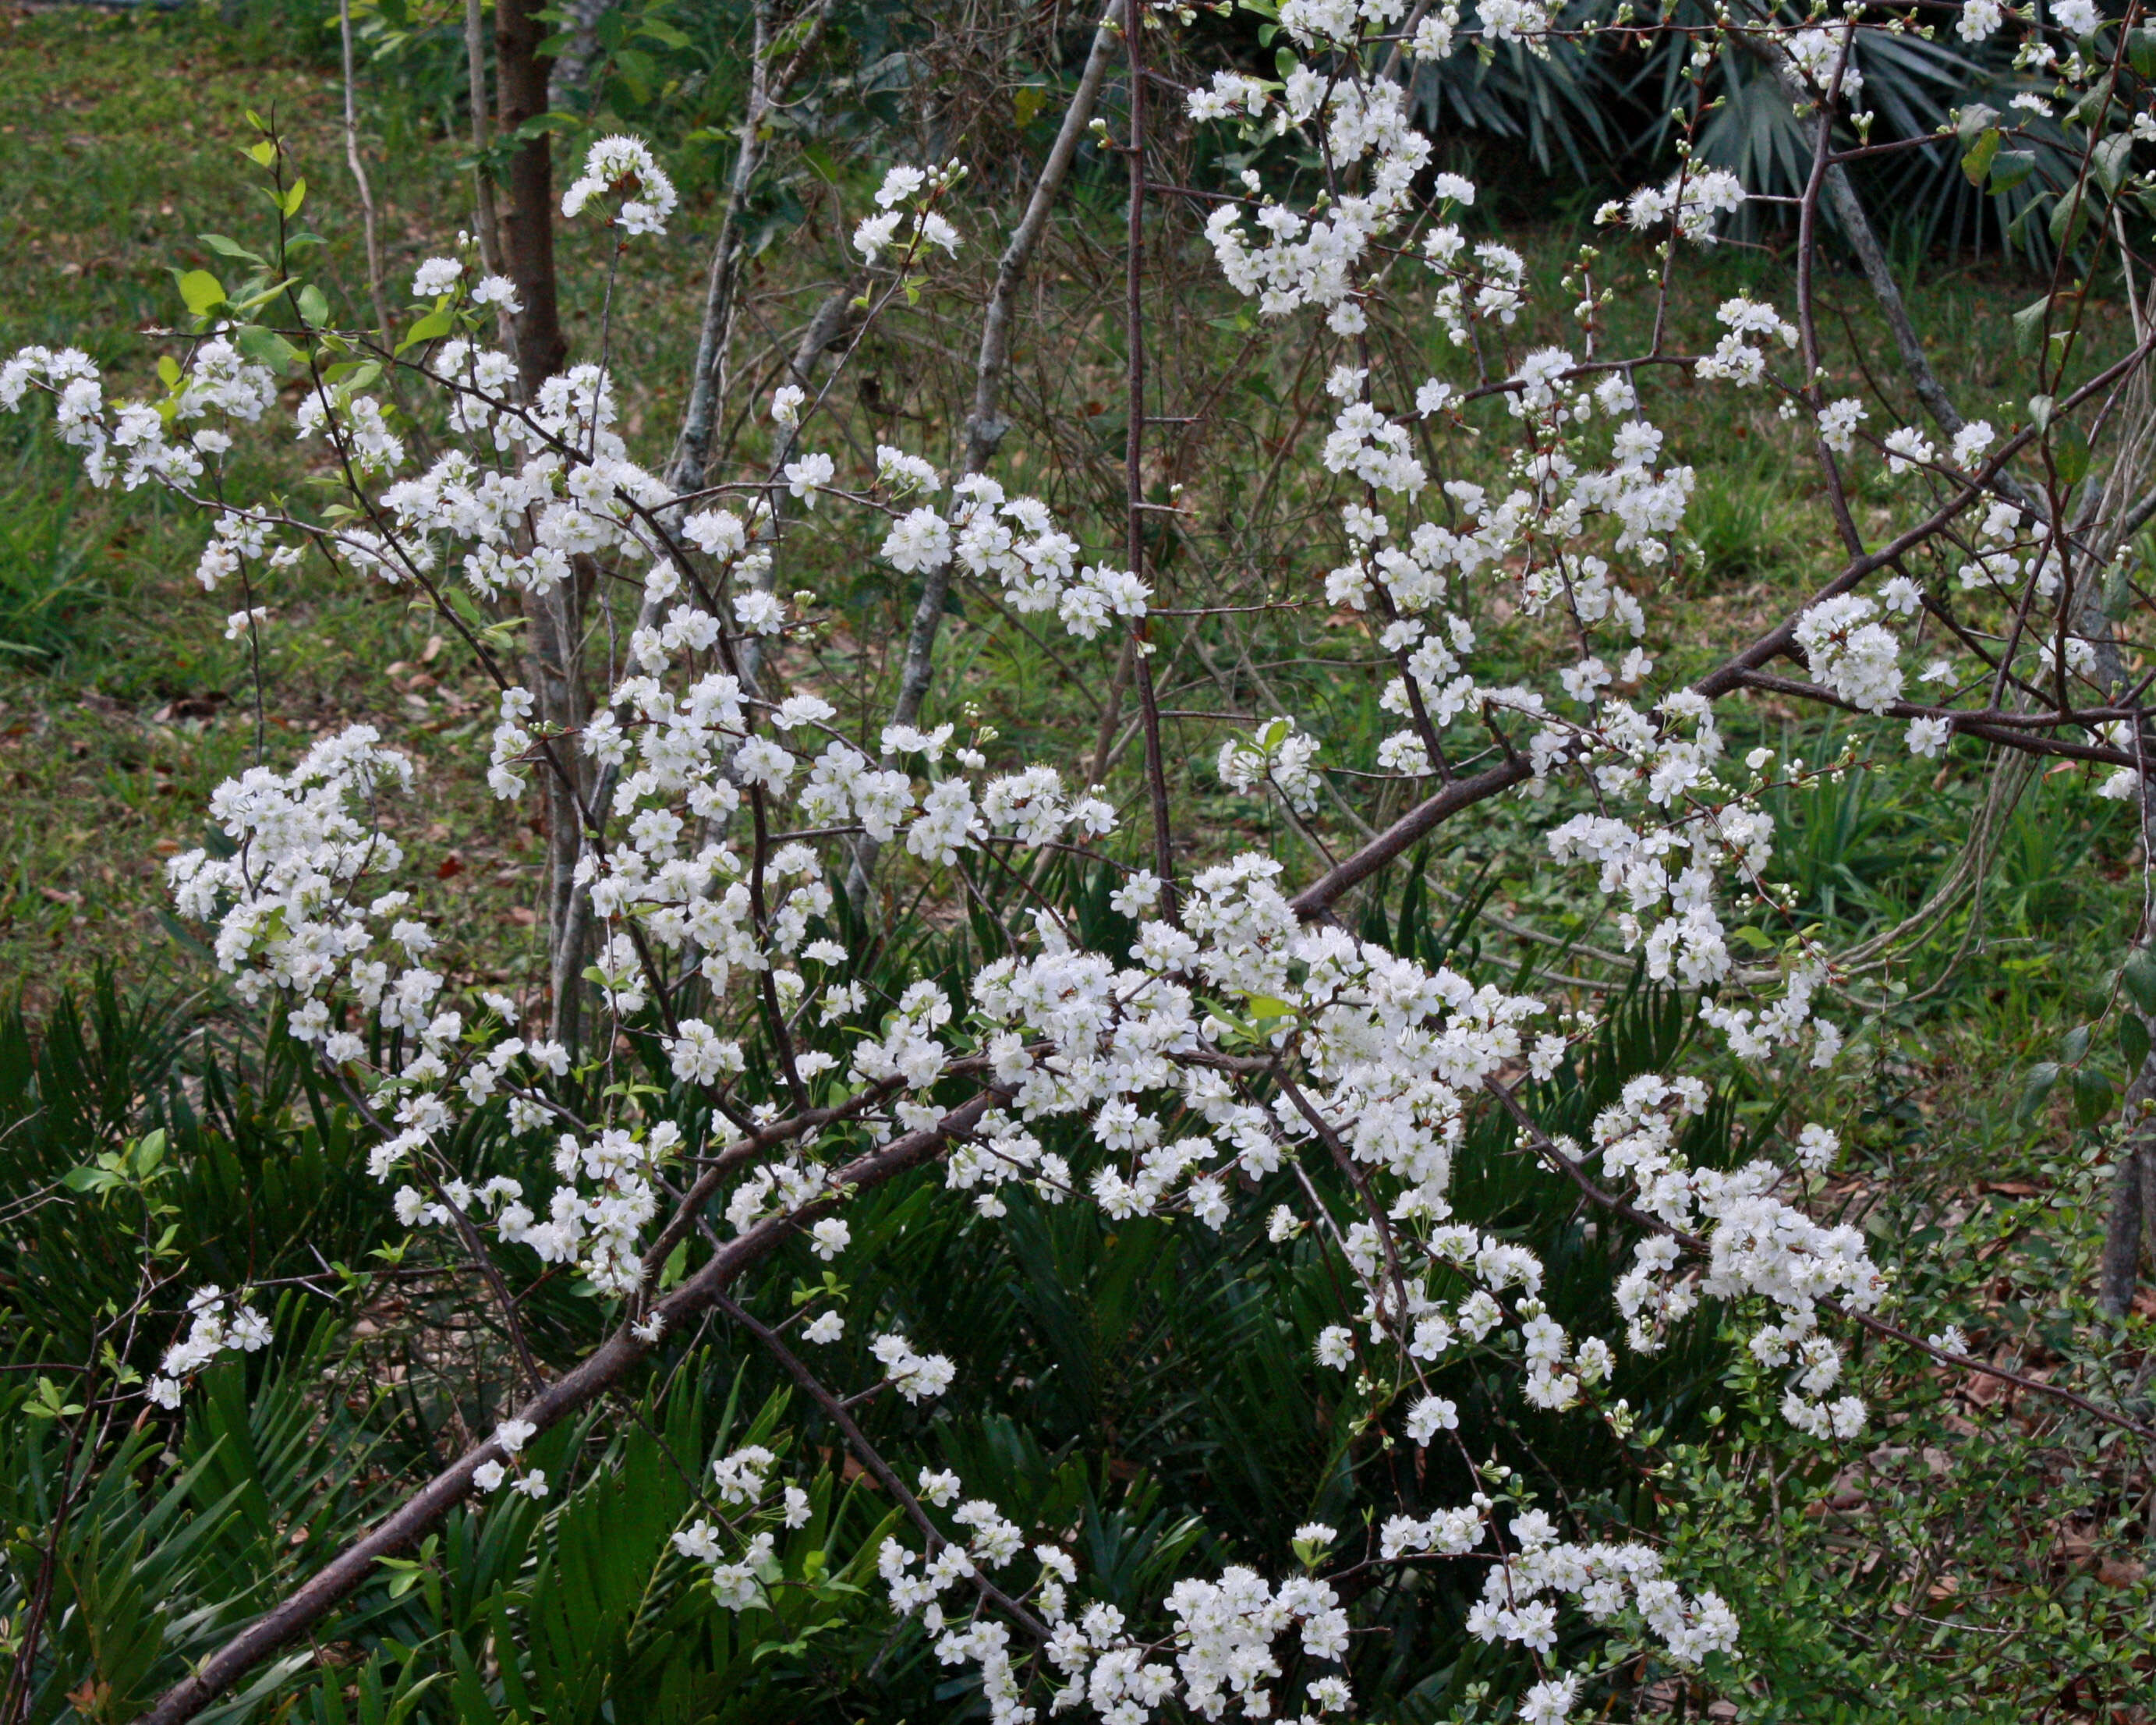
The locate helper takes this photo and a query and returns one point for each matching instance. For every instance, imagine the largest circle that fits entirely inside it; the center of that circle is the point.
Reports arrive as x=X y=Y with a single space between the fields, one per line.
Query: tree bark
x=567 y=76
x=527 y=224
x=360 y=182
x=700 y=419
x=486 y=219
x=2109 y=514
x=553 y=658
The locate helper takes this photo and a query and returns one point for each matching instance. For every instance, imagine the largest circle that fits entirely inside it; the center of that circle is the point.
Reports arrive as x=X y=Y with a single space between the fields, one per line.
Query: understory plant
x=951 y=1092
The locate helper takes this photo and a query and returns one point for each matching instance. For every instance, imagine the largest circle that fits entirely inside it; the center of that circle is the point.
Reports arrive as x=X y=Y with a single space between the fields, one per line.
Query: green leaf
x=2111 y=159
x=465 y=606
x=638 y=71
x=204 y=292
x=2140 y=52
x=2070 y=451
x=2041 y=408
x=2066 y=217
x=296 y=196
x=1977 y=164
x=540 y=126
x=263 y=154
x=2074 y=1044
x=168 y=371
x=2118 y=594
x=351 y=376
x=2133 y=1039
x=2137 y=977
x=433 y=326
x=313 y=306
x=260 y=297
x=2097 y=98
x=1026 y=103
x=265 y=347
x=2029 y=325
x=2093 y=1095
x=225 y=247
x=2042 y=1076
x=2009 y=167
x=49 y=1403
x=150 y=1152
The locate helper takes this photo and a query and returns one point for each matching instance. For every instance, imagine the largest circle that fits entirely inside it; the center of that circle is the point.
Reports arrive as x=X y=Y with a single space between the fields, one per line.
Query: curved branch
x=352 y=1567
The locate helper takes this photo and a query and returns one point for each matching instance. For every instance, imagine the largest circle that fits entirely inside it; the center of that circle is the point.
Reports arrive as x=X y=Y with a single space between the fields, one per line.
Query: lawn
x=123 y=703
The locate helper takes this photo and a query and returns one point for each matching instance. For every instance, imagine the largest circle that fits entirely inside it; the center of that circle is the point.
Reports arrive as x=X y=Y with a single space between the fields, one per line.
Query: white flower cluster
x=624 y=167
x=282 y=899
x=917 y=1376
x=1605 y=1580
x=1229 y=93
x=511 y=1437
x=211 y=1330
x=1014 y=541
x=1759 y=1246
x=1693 y=199
x=1280 y=756
x=438 y=277
x=743 y=1480
x=1853 y=655
x=906 y=222
x=1837 y=421
x=1822 y=56
x=1735 y=360
x=596 y=1225
x=132 y=443
x=1316 y=259
x=1224 y=1638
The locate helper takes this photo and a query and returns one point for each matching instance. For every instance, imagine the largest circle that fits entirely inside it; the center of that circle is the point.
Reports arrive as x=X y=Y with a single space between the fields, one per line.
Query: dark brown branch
x=352 y=1568
x=868 y=1456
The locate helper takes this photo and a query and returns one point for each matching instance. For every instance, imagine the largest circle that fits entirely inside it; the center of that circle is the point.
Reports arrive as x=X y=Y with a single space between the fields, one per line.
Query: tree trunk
x=581 y=18
x=527 y=224
x=553 y=634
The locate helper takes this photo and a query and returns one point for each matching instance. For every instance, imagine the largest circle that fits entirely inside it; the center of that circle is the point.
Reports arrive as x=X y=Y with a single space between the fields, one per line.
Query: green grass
x=121 y=706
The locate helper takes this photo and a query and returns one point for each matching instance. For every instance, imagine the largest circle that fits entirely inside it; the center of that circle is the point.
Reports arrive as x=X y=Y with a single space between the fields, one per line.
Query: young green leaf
x=2043 y=1077
x=204 y=292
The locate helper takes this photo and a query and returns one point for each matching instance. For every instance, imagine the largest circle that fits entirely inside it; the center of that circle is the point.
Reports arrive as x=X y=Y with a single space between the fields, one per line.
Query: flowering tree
x=724 y=833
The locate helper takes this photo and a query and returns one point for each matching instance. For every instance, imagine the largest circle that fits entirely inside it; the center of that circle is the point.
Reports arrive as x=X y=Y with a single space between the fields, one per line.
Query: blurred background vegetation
x=1146 y=1390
